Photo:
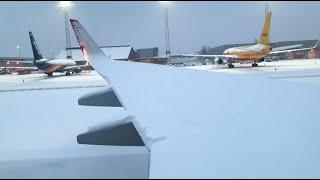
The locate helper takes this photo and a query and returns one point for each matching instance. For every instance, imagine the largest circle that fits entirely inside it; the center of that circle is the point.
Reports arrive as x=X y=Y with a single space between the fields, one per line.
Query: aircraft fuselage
x=55 y=65
x=252 y=52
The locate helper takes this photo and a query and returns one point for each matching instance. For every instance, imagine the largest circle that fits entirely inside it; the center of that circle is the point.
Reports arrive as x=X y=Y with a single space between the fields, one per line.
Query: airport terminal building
x=16 y=62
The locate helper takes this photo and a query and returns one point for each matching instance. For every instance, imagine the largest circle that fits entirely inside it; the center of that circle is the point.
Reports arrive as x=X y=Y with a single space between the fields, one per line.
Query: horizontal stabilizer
x=100 y=98
x=119 y=133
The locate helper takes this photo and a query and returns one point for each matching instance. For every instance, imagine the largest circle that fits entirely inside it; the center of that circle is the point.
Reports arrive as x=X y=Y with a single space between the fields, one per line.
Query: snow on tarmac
x=284 y=65
x=32 y=81
x=300 y=71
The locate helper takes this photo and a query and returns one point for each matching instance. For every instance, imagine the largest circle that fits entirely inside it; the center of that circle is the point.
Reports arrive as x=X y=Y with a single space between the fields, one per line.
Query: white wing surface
x=215 y=125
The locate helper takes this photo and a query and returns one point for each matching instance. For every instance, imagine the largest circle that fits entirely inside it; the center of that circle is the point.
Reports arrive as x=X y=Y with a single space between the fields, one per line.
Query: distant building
x=150 y=55
x=152 y=60
x=16 y=62
x=147 y=52
x=124 y=52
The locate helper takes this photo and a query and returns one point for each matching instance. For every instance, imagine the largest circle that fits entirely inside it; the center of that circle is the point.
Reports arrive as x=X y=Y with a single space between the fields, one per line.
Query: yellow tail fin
x=264 y=37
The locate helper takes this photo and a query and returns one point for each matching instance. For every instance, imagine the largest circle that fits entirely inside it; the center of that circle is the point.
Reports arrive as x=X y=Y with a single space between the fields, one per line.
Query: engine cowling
x=218 y=61
x=77 y=70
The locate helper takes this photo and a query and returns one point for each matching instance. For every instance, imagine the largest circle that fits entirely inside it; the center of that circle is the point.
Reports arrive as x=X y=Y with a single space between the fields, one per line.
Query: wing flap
x=119 y=133
x=100 y=98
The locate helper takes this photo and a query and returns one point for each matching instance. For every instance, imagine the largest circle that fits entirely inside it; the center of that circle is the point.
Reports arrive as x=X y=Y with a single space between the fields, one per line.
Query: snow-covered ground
x=40 y=119
x=284 y=65
x=59 y=80
x=301 y=71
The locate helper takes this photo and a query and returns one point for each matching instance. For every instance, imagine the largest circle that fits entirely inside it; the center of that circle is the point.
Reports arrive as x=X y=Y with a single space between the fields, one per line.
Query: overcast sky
x=141 y=24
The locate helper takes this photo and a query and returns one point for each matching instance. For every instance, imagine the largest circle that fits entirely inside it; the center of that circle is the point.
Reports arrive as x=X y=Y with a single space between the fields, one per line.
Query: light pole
x=19 y=52
x=51 y=55
x=266 y=8
x=167 y=37
x=65 y=5
x=266 y=11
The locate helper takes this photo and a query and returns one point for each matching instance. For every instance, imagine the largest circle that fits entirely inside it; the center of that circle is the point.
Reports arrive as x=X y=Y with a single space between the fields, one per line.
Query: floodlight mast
x=65 y=5
x=167 y=37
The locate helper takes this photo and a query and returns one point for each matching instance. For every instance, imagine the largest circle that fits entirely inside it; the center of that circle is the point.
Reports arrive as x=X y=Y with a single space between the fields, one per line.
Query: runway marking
x=49 y=88
x=298 y=76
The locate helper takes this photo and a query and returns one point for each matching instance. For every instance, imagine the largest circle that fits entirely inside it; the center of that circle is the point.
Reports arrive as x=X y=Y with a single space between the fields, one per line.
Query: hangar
x=122 y=52
x=16 y=62
x=22 y=65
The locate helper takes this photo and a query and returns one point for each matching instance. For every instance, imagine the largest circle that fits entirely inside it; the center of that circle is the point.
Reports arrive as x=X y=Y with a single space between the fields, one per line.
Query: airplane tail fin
x=264 y=37
x=36 y=52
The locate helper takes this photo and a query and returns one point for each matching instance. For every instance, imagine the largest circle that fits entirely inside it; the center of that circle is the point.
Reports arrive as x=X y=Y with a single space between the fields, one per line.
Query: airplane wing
x=199 y=124
x=296 y=50
x=290 y=50
x=24 y=62
x=223 y=59
x=76 y=67
x=204 y=56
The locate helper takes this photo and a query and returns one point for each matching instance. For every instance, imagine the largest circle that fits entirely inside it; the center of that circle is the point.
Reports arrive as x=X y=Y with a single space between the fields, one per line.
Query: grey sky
x=141 y=24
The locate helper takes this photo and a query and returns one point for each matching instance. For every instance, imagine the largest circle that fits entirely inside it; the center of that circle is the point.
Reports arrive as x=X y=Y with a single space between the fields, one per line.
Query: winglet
x=89 y=48
x=92 y=53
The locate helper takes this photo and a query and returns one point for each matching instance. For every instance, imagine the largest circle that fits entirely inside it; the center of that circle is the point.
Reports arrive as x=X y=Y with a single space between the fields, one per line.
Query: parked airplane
x=48 y=66
x=254 y=53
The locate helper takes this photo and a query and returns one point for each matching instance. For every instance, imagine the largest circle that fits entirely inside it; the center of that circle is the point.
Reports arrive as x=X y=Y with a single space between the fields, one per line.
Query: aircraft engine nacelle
x=219 y=61
x=77 y=70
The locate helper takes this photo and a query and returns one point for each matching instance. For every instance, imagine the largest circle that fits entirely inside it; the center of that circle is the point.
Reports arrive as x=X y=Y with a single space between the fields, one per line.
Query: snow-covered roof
x=115 y=52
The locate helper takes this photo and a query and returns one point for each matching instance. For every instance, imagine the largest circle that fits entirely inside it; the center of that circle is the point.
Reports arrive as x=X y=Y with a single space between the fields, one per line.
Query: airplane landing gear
x=49 y=74
x=254 y=64
x=68 y=73
x=230 y=61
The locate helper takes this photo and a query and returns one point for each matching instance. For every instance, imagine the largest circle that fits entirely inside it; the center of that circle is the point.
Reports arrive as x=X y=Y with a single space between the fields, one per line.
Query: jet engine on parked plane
x=219 y=61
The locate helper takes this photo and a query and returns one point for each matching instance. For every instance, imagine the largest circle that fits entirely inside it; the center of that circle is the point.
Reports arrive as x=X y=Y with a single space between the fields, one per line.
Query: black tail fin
x=36 y=52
